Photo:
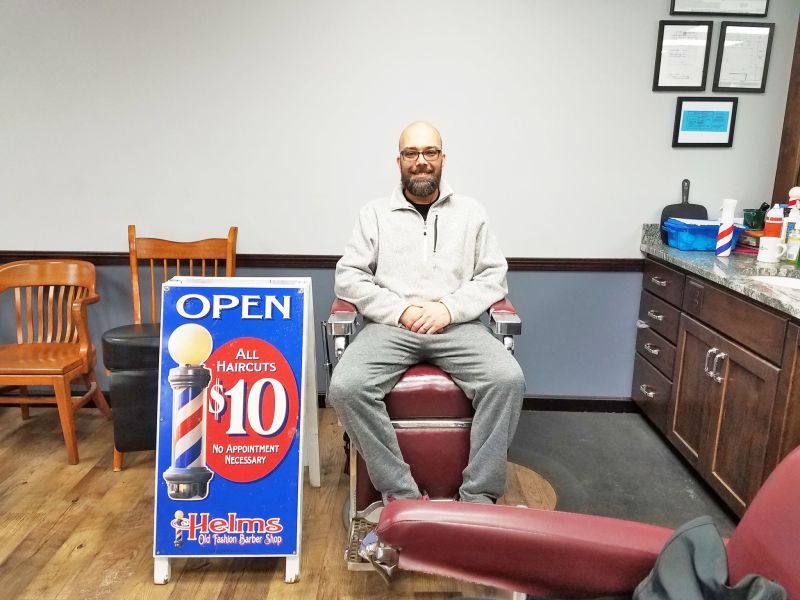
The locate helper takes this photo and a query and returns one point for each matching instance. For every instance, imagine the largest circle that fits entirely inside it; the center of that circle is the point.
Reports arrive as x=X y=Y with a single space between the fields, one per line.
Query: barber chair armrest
x=544 y=553
x=341 y=324
x=504 y=319
x=343 y=319
x=505 y=322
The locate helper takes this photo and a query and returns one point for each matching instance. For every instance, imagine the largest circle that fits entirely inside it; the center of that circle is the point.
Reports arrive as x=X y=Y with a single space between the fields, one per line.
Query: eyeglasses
x=412 y=154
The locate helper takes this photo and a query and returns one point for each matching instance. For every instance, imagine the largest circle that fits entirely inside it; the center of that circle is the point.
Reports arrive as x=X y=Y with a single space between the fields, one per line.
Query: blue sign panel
x=705 y=120
x=228 y=471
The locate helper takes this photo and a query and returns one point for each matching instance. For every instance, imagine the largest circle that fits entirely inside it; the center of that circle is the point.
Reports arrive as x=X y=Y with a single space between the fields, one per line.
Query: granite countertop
x=733 y=272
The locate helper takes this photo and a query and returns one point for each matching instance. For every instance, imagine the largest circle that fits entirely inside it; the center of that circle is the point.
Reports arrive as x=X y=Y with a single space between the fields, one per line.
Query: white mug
x=770 y=250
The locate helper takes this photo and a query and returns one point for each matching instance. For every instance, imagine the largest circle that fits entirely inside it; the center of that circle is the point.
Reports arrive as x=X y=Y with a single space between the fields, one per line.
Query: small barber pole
x=725 y=234
x=188 y=477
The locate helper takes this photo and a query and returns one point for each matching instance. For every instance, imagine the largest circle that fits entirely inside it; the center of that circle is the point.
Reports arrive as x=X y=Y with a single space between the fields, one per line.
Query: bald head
x=420 y=135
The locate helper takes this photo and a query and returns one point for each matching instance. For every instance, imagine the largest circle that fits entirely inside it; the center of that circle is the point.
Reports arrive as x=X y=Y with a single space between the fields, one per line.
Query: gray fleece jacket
x=395 y=258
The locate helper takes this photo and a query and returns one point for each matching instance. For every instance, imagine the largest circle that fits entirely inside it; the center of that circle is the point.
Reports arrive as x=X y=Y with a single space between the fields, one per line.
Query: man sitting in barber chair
x=421 y=267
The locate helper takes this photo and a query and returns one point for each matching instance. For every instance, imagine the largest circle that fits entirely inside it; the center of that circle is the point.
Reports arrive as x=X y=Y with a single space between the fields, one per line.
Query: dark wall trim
x=96 y=258
x=576 y=264
x=328 y=261
x=285 y=261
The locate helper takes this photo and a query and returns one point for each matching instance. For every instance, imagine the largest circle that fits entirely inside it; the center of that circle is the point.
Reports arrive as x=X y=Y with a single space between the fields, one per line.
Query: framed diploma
x=743 y=56
x=704 y=122
x=723 y=8
x=682 y=56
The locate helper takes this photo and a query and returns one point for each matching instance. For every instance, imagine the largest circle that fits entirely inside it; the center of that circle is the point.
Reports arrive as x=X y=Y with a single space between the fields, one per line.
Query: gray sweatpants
x=478 y=363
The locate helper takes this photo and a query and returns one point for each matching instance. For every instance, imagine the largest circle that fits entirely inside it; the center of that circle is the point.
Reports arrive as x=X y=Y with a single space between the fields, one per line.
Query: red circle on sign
x=253 y=409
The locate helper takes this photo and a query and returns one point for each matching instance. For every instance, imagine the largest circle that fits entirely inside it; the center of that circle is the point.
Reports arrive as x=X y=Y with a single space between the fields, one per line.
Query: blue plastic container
x=689 y=236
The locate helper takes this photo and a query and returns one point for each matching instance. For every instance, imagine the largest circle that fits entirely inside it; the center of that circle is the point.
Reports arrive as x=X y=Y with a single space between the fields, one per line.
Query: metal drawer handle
x=658 y=281
x=654 y=350
x=708 y=358
x=647 y=391
x=641 y=324
x=715 y=372
x=653 y=314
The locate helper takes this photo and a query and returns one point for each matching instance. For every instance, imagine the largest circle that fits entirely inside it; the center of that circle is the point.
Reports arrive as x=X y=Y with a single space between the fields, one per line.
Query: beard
x=420 y=184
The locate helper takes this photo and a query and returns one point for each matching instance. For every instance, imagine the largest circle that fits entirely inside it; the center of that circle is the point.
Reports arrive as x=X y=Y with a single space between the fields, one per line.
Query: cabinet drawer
x=658 y=351
x=651 y=392
x=750 y=325
x=659 y=315
x=664 y=282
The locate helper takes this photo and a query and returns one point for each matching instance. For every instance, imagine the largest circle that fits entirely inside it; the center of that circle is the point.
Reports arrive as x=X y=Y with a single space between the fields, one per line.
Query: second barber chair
x=553 y=554
x=432 y=418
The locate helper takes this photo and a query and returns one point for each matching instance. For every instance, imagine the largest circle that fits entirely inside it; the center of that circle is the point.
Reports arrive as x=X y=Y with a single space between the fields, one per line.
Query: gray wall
x=578 y=328
x=185 y=117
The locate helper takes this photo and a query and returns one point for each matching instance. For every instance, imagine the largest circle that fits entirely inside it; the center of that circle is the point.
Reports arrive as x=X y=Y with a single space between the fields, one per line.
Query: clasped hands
x=427 y=317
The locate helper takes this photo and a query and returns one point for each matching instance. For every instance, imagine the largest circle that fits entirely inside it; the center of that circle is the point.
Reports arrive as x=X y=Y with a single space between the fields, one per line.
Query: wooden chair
x=53 y=345
x=162 y=259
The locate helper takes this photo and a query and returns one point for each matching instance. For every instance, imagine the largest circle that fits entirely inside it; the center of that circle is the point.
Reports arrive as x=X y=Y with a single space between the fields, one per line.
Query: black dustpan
x=684 y=210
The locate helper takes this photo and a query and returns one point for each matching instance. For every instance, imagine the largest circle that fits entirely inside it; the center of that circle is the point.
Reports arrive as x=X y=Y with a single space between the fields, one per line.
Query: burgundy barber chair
x=567 y=555
x=432 y=418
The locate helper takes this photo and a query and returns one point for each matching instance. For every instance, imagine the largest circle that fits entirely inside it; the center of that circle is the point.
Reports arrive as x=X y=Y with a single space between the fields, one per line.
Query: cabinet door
x=739 y=429
x=721 y=423
x=686 y=415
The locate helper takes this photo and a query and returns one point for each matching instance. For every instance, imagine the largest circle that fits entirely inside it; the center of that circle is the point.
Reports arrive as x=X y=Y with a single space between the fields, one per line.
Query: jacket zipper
x=435 y=231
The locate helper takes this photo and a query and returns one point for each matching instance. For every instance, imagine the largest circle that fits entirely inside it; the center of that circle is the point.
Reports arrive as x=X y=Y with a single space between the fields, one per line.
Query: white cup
x=770 y=250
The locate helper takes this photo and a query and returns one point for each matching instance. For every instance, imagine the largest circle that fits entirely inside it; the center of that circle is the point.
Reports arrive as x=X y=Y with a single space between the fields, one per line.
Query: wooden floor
x=85 y=532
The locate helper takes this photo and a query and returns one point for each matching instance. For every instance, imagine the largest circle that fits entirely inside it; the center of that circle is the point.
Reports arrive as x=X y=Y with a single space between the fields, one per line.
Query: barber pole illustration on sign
x=235 y=357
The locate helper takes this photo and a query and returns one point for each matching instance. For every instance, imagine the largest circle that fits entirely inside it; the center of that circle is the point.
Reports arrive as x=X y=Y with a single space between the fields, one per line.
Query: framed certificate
x=682 y=56
x=743 y=56
x=704 y=122
x=725 y=8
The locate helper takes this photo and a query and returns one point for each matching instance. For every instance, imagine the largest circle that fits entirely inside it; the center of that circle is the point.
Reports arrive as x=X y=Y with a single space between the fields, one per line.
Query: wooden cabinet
x=732 y=377
x=721 y=410
x=659 y=316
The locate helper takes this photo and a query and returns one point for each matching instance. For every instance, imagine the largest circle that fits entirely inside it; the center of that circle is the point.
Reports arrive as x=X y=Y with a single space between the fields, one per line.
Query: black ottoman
x=130 y=353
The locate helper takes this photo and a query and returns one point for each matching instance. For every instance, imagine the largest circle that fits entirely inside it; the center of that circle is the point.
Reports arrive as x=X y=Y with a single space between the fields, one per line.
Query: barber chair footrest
x=359 y=528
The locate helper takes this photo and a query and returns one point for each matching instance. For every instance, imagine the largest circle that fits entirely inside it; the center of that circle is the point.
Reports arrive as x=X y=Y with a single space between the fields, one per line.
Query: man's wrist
x=447 y=308
x=399 y=321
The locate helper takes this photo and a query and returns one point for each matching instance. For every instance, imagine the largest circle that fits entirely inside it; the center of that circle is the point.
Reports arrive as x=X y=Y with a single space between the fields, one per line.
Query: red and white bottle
x=773 y=221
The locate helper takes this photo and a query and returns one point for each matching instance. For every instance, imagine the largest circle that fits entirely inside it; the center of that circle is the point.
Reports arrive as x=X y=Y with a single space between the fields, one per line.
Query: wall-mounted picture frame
x=682 y=56
x=743 y=57
x=704 y=122
x=720 y=8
